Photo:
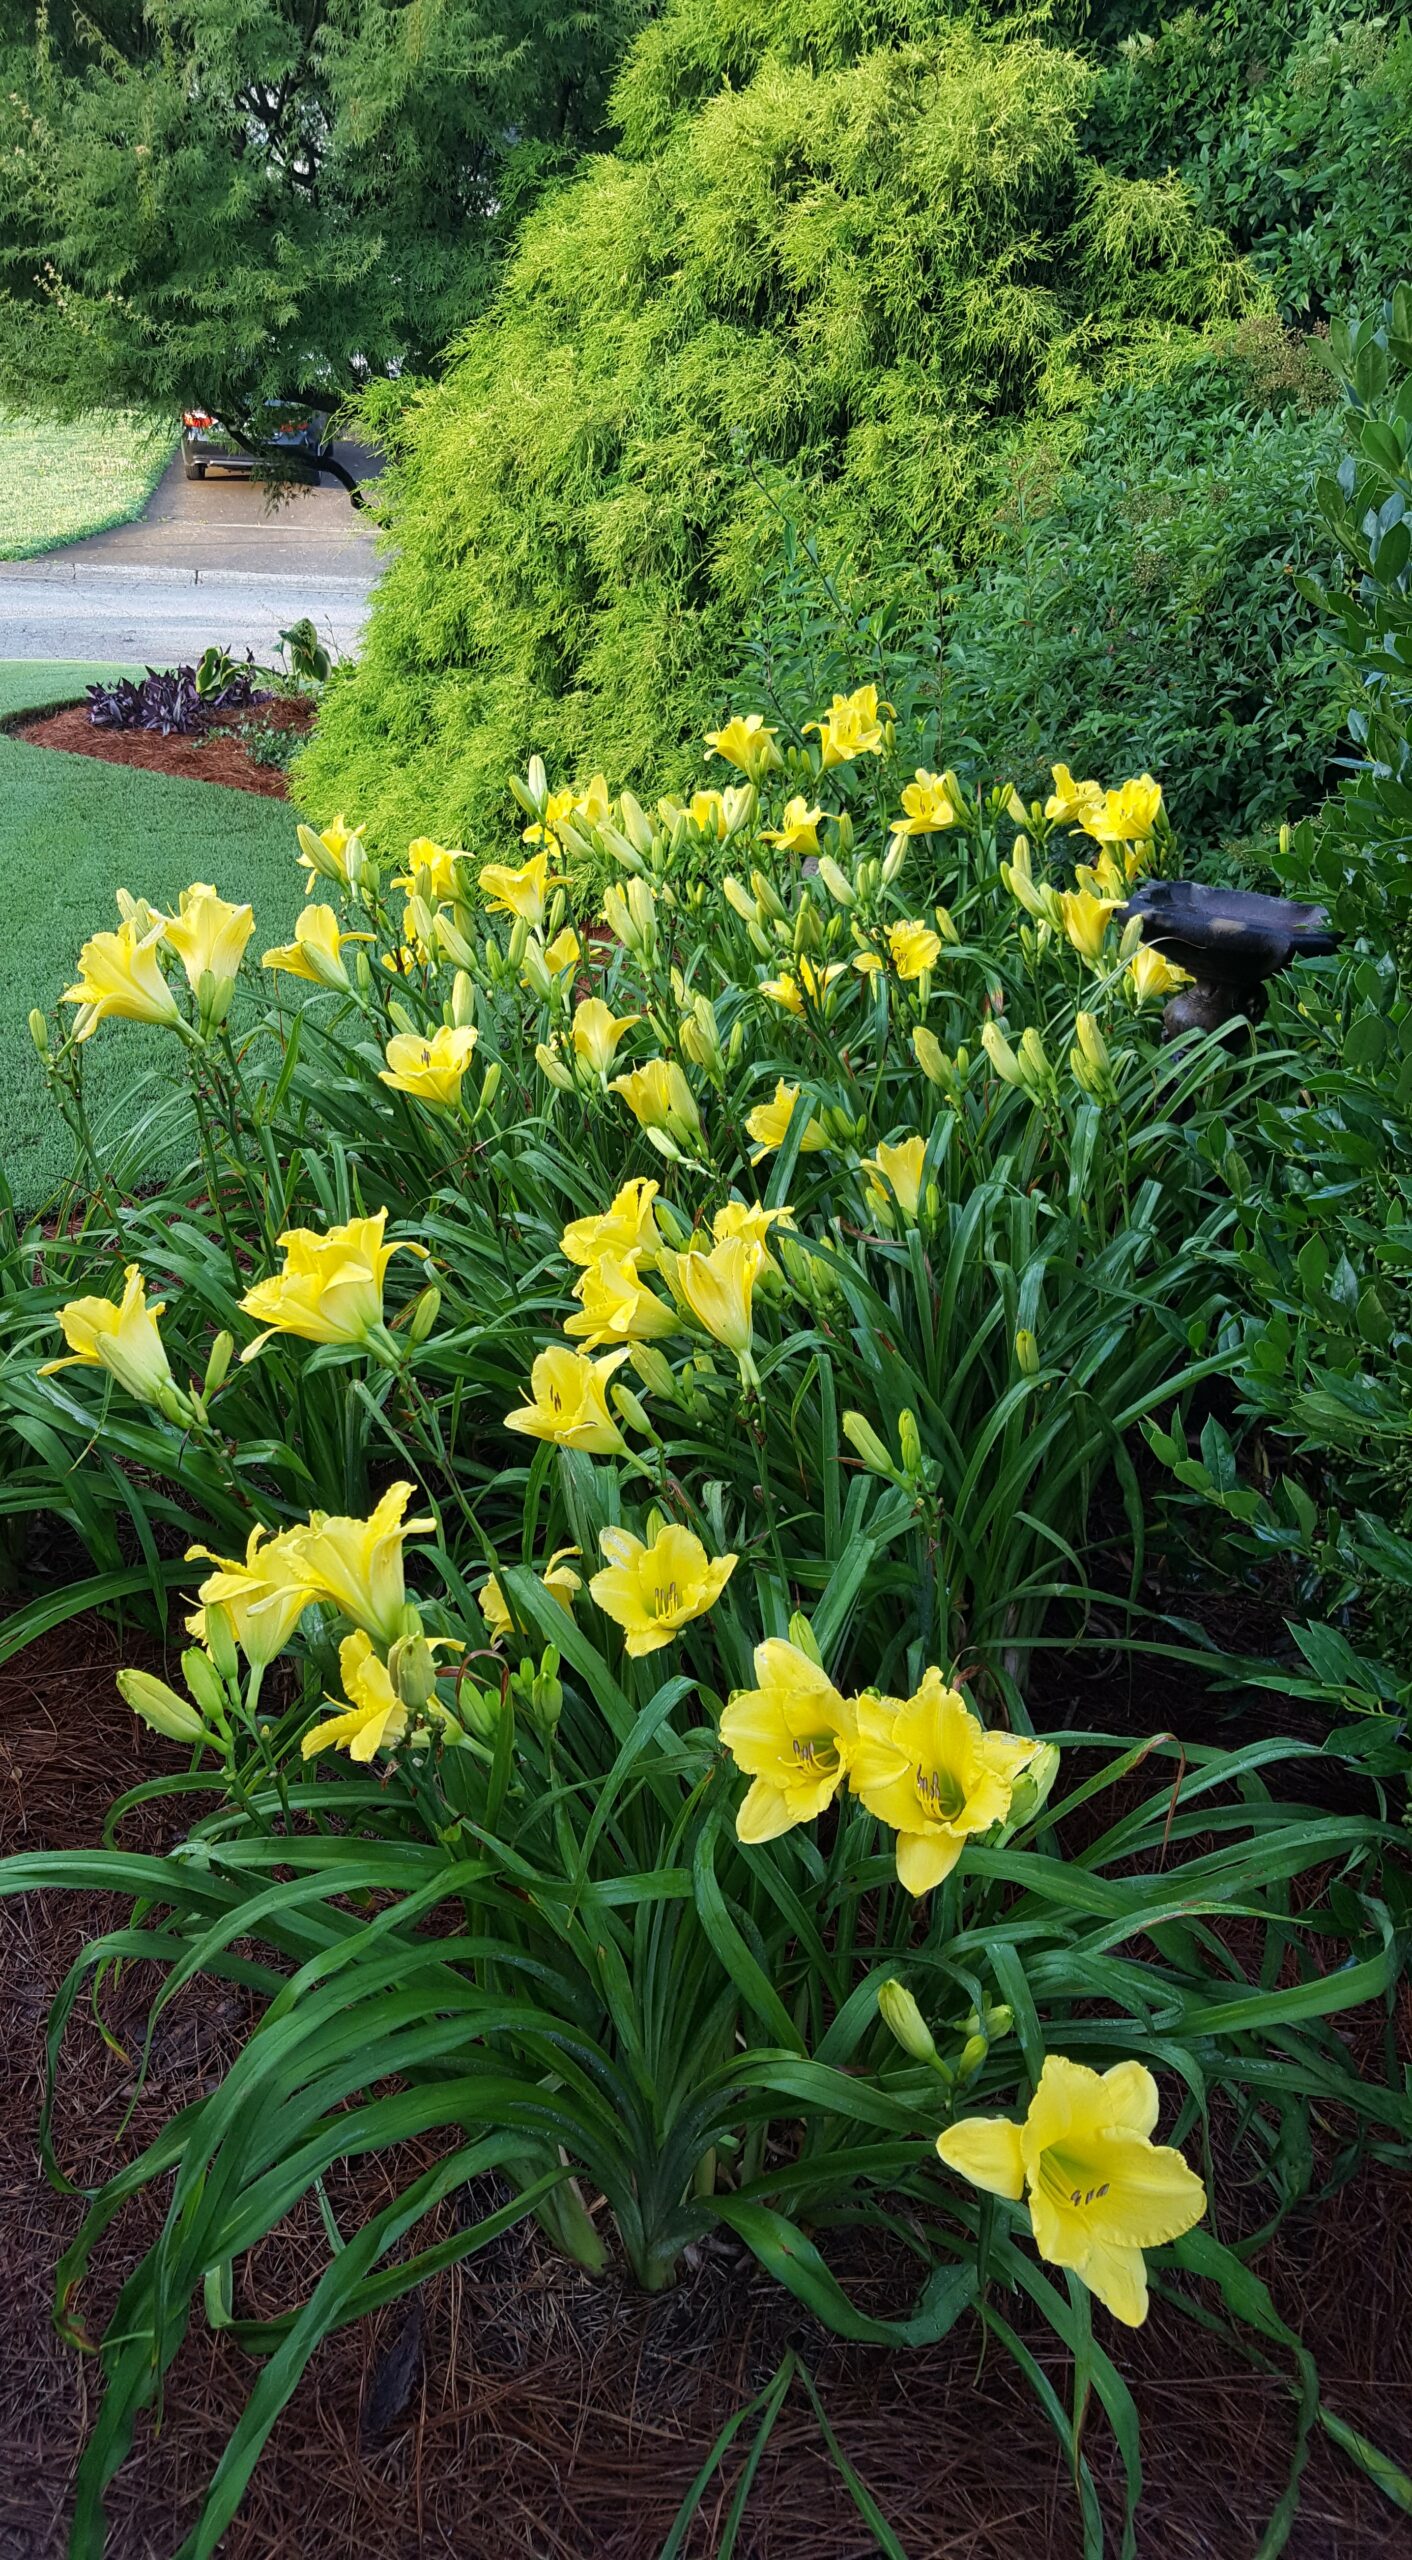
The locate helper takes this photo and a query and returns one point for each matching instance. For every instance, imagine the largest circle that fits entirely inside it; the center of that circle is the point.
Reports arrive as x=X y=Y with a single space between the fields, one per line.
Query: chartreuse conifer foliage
x=852 y=253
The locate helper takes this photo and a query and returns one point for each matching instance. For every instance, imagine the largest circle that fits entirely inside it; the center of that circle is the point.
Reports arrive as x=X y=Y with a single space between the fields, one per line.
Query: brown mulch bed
x=220 y=756
x=521 y=2412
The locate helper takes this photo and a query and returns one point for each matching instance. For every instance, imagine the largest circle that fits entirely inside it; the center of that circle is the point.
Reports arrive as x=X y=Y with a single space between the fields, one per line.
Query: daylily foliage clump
x=651 y=1310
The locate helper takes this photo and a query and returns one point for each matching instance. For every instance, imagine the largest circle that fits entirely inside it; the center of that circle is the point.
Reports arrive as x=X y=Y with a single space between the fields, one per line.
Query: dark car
x=287 y=425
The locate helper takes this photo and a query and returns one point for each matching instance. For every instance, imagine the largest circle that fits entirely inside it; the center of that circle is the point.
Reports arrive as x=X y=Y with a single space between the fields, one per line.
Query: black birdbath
x=1230 y=941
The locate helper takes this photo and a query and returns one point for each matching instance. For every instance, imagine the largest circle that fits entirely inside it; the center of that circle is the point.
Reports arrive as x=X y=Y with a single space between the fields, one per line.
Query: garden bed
x=232 y=752
x=518 y=2407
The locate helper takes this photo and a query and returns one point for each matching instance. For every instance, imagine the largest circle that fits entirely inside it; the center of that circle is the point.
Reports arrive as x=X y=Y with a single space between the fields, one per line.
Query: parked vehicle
x=289 y=426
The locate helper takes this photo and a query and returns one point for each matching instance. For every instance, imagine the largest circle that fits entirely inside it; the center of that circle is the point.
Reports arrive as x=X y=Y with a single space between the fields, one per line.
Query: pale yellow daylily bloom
x=659 y=1097
x=768 y=1123
x=805 y=982
x=563 y=953
x=707 y=811
x=430 y=1068
x=336 y=853
x=627 y=1225
x=597 y=1031
x=122 y=1338
x=330 y=1289
x=852 y=726
x=316 y=951
x=1153 y=975
x=1069 y=799
x=1086 y=921
x=521 y=892
x=927 y=806
x=914 y=947
x=793 y=1735
x=718 y=1288
x=209 y=935
x=264 y=1594
x=798 y=830
x=558 y=1579
x=357 y=1564
x=615 y=1306
x=442 y=864
x=120 y=975
x=1099 y=2189
x=1126 y=816
x=570 y=1404
x=653 y=1590
x=746 y=1218
x=929 y=1769
x=748 y=744
x=376 y=1719
x=559 y=804
x=897 y=1171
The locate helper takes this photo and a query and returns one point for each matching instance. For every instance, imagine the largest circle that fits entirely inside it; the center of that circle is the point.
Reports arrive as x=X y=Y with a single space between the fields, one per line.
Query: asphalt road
x=208 y=560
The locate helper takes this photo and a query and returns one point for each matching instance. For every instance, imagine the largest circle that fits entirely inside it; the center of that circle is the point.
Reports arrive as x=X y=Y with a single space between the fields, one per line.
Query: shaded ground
x=224 y=755
x=526 y=2414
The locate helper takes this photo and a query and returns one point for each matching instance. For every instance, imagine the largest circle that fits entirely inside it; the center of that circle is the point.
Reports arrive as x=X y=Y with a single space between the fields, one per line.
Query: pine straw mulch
x=520 y=2412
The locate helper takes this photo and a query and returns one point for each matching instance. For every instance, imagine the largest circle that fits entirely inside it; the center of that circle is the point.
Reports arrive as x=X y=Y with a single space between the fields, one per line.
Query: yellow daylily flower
x=430 y=1069
x=316 y=949
x=559 y=1580
x=914 y=947
x=653 y=1590
x=746 y=1218
x=707 y=811
x=209 y=935
x=562 y=954
x=1099 y=2189
x=518 y=893
x=718 y=1288
x=1151 y=974
x=627 y=1225
x=1104 y=878
x=122 y=1338
x=768 y=1123
x=897 y=1171
x=596 y=803
x=747 y=744
x=264 y=1594
x=1086 y=920
x=852 y=726
x=375 y=1721
x=793 y=1735
x=571 y=1402
x=335 y=854
x=659 y=1097
x=798 y=830
x=927 y=806
x=615 y=1307
x=1126 y=816
x=330 y=1289
x=791 y=990
x=358 y=1565
x=929 y=1769
x=597 y=1031
x=1069 y=799
x=120 y=975
x=559 y=804
x=442 y=862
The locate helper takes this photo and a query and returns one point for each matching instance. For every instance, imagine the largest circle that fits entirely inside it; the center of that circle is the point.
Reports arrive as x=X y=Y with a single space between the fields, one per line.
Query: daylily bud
x=490 y=1086
x=363 y=973
x=203 y=1680
x=463 y=1002
x=929 y=1054
x=519 y=941
x=412 y=1670
x=903 y=2019
x=632 y=1412
x=39 y=1032
x=480 y=1710
x=653 y=1369
x=424 y=1314
x=945 y=925
x=973 y=2054
x=454 y=945
x=552 y=1065
x=740 y=899
x=405 y=1021
x=1091 y=1064
x=1027 y=1352
x=218 y=1364
x=220 y=1641
x=803 y=1638
x=1032 y=1786
x=636 y=823
x=894 y=859
x=859 y=1433
x=840 y=889
x=909 y=1441
x=160 y=1706
x=767 y=899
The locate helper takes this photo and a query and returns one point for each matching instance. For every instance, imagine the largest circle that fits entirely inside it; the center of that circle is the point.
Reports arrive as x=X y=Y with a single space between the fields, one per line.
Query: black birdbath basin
x=1230 y=941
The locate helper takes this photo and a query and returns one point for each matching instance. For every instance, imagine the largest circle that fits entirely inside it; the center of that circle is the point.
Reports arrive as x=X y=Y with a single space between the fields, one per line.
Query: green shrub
x=864 y=267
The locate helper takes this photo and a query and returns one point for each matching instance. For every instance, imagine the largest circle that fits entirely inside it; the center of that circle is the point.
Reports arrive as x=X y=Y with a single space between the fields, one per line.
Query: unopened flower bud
x=909 y=1441
x=39 y=1032
x=220 y=1641
x=203 y=1680
x=804 y=1640
x=160 y=1706
x=424 y=1314
x=839 y=887
x=860 y=1435
x=1027 y=1353
x=632 y=1412
x=903 y=2019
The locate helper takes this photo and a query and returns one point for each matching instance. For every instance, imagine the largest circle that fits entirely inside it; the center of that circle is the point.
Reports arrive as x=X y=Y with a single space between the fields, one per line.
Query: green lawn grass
x=72 y=831
x=59 y=482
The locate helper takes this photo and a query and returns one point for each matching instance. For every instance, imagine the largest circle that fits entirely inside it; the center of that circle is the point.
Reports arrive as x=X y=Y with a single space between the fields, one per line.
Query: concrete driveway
x=207 y=560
